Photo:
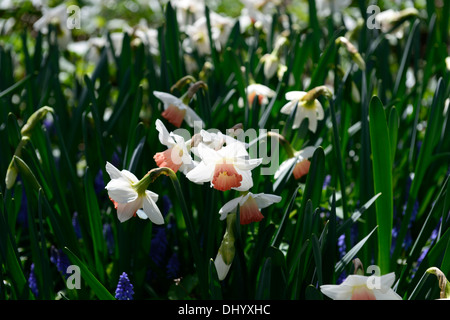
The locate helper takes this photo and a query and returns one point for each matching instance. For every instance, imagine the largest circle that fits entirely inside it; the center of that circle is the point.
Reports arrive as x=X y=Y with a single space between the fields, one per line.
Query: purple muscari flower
x=158 y=246
x=76 y=225
x=32 y=281
x=124 y=290
x=173 y=267
x=327 y=181
x=99 y=184
x=158 y=249
x=341 y=245
x=60 y=260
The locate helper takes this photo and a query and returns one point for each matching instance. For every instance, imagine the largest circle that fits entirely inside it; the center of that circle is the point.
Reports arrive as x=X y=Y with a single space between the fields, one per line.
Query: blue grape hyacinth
x=124 y=290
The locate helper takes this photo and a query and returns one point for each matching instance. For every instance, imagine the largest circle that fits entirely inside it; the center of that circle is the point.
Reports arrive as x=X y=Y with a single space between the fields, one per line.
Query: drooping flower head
x=260 y=92
x=130 y=194
x=250 y=206
x=177 y=156
x=177 y=109
x=299 y=160
x=227 y=168
x=307 y=106
x=359 y=287
x=124 y=290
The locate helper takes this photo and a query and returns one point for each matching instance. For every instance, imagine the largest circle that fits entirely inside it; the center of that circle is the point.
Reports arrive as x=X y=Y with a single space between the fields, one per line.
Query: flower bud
x=354 y=54
x=33 y=120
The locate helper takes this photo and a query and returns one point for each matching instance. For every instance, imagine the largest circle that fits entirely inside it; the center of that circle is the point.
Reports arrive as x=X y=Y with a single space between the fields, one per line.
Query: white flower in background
x=300 y=162
x=175 y=110
x=198 y=36
x=130 y=194
x=192 y=9
x=258 y=13
x=57 y=16
x=250 y=206
x=271 y=63
x=305 y=109
x=389 y=18
x=359 y=287
x=447 y=63
x=149 y=37
x=177 y=156
x=259 y=91
x=325 y=8
x=228 y=168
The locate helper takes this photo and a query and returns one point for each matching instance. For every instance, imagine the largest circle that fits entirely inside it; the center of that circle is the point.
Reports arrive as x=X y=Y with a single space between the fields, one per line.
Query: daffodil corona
x=227 y=168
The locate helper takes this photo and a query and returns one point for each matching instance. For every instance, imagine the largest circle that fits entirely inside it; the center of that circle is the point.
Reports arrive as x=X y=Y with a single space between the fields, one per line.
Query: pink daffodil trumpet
x=225 y=169
x=130 y=194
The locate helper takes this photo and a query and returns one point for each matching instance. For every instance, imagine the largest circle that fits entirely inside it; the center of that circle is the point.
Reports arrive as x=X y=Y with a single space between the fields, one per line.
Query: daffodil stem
x=199 y=262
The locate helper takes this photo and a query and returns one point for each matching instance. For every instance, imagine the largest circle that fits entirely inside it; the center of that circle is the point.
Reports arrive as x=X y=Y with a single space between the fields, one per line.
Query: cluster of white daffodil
x=216 y=158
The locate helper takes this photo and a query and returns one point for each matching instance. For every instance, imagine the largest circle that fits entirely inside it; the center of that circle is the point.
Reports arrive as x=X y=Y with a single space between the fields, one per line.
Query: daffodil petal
x=228 y=207
x=294 y=95
x=126 y=210
x=121 y=191
x=264 y=200
x=152 y=210
x=113 y=172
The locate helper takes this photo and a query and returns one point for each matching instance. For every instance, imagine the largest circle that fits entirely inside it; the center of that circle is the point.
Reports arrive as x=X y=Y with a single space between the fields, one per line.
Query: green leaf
x=215 y=289
x=393 y=132
x=351 y=254
x=100 y=291
x=263 y=289
x=95 y=225
x=382 y=174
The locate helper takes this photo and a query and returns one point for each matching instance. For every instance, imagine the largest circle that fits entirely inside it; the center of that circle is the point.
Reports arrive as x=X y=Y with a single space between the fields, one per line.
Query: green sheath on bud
x=34 y=119
x=227 y=249
x=182 y=82
x=186 y=98
x=316 y=92
x=444 y=285
x=351 y=49
x=11 y=173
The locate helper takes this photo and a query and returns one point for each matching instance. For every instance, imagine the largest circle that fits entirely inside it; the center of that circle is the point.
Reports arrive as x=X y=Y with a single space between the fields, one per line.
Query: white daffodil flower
x=175 y=110
x=227 y=168
x=305 y=109
x=177 y=156
x=250 y=206
x=58 y=16
x=130 y=194
x=359 y=287
x=301 y=162
x=213 y=140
